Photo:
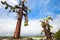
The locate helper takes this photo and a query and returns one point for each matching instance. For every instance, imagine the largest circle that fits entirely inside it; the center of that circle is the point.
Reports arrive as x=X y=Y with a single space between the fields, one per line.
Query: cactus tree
x=23 y=11
x=46 y=26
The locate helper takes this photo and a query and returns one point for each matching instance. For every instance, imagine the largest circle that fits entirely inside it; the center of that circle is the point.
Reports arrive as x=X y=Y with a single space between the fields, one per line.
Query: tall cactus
x=23 y=11
x=45 y=24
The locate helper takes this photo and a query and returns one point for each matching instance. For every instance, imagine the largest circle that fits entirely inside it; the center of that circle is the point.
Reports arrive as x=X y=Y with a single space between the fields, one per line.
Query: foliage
x=13 y=8
x=46 y=27
x=3 y=2
x=48 y=18
x=8 y=6
x=26 y=20
x=57 y=35
x=42 y=31
x=43 y=23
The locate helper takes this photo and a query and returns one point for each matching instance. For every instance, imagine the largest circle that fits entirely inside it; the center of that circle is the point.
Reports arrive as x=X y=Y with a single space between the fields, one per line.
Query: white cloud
x=7 y=27
x=12 y=2
x=34 y=28
x=55 y=23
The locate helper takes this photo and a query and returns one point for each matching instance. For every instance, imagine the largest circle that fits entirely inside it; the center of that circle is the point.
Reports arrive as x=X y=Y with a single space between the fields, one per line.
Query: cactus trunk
x=18 y=26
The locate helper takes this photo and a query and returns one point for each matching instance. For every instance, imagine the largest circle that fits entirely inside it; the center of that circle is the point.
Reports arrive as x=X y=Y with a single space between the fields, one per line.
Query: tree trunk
x=18 y=26
x=49 y=37
x=46 y=33
x=49 y=33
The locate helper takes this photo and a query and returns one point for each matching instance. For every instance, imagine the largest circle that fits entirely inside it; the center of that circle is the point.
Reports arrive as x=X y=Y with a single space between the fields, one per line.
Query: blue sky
x=44 y=8
x=39 y=10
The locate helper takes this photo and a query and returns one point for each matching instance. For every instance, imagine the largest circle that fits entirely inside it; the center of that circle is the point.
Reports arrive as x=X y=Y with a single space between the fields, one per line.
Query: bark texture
x=18 y=25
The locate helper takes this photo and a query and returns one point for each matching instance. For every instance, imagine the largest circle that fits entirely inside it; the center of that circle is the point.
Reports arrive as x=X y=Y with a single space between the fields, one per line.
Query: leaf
x=45 y=18
x=12 y=7
x=3 y=2
x=6 y=7
x=26 y=21
x=43 y=24
x=51 y=26
x=29 y=10
x=9 y=11
x=13 y=10
x=42 y=31
x=50 y=18
x=25 y=24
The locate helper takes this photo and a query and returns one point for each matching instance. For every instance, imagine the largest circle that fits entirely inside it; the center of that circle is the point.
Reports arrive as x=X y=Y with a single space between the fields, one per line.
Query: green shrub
x=57 y=35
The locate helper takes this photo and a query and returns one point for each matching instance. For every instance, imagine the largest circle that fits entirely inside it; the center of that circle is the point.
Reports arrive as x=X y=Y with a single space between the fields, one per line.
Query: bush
x=57 y=35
